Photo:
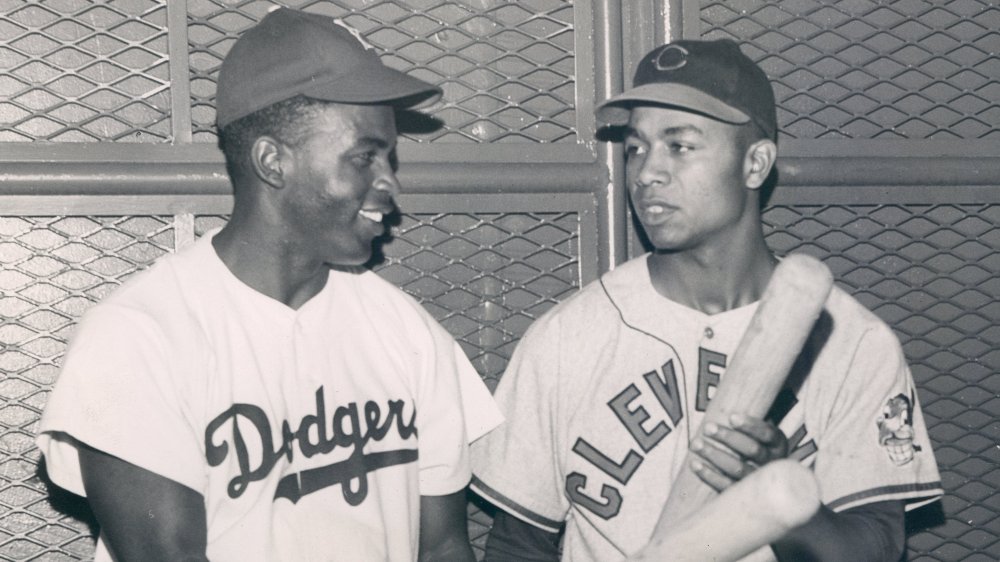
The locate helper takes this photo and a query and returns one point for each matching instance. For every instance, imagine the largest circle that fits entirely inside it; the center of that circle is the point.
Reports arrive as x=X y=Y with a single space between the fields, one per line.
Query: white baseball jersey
x=311 y=433
x=605 y=390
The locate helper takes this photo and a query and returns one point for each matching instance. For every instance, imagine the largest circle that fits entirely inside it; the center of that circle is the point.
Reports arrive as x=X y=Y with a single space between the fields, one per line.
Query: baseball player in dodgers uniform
x=258 y=396
x=604 y=391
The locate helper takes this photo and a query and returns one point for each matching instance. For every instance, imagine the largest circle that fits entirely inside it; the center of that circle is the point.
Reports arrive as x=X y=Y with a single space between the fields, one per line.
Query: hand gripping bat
x=790 y=305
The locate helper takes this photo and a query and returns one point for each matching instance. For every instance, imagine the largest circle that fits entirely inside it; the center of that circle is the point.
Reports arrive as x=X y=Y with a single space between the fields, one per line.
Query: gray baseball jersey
x=605 y=390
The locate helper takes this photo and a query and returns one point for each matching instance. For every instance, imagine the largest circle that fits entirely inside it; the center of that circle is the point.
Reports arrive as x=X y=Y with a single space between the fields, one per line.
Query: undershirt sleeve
x=877 y=532
x=512 y=539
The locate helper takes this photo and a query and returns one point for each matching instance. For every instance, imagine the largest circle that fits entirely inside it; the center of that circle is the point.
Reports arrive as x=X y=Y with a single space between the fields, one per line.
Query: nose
x=650 y=171
x=386 y=181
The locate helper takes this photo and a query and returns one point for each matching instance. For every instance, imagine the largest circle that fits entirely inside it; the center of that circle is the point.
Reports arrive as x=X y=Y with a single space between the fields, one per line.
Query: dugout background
x=890 y=172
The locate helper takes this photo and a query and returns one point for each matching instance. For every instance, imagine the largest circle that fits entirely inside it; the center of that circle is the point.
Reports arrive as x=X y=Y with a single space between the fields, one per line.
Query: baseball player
x=259 y=396
x=604 y=392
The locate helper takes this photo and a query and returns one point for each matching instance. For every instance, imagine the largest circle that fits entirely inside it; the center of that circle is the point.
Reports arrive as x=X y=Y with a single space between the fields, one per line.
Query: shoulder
x=850 y=345
x=151 y=300
x=852 y=320
x=167 y=275
x=385 y=303
x=381 y=292
x=608 y=295
x=585 y=317
x=370 y=281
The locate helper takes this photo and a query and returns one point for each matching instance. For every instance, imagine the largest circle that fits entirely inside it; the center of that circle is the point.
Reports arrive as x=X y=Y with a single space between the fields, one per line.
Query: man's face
x=341 y=182
x=685 y=178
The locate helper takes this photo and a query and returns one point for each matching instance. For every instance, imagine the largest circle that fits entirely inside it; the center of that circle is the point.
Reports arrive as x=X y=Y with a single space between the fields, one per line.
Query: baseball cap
x=290 y=52
x=713 y=78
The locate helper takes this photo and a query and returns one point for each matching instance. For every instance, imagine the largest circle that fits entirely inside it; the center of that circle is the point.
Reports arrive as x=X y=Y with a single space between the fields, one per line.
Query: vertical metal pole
x=665 y=11
x=183 y=230
x=650 y=23
x=180 y=76
x=612 y=202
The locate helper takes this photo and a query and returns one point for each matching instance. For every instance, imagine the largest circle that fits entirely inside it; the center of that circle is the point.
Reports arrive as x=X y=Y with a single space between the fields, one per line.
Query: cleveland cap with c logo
x=713 y=78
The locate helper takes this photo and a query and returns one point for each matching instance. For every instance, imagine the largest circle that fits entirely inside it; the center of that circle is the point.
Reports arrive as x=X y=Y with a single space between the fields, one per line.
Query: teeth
x=374 y=216
x=655 y=208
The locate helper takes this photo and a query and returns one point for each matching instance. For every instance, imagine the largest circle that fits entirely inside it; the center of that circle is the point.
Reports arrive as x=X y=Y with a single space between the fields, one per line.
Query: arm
x=143 y=516
x=869 y=532
x=513 y=540
x=444 y=532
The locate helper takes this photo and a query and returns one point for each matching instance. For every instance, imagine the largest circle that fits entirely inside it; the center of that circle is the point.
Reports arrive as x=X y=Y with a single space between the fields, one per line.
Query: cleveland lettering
x=647 y=429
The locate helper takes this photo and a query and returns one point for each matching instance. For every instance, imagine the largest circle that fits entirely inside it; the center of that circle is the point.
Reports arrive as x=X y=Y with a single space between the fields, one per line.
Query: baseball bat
x=791 y=303
x=750 y=514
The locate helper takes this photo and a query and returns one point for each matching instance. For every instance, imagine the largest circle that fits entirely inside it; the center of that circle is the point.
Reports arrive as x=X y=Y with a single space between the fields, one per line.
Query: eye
x=634 y=149
x=680 y=147
x=364 y=159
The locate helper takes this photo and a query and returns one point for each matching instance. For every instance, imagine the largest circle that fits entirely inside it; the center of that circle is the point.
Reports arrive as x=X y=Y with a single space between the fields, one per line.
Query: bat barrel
x=792 y=302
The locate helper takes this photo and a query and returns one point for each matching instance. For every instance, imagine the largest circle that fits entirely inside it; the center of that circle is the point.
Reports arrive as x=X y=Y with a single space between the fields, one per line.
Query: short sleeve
x=516 y=466
x=876 y=446
x=117 y=393
x=454 y=407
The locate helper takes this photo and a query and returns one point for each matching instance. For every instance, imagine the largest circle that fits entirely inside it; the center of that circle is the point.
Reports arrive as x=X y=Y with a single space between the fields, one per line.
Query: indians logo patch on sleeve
x=895 y=429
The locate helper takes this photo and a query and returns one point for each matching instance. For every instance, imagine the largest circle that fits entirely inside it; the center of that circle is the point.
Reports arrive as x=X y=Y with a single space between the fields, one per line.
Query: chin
x=672 y=240
x=348 y=262
x=351 y=260
x=665 y=245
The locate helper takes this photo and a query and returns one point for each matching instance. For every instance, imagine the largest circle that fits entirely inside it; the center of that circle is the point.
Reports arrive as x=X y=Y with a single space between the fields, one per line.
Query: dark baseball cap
x=292 y=53
x=713 y=78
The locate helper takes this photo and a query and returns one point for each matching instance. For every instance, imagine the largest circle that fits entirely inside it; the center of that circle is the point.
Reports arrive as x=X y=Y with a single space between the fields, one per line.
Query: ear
x=758 y=161
x=268 y=158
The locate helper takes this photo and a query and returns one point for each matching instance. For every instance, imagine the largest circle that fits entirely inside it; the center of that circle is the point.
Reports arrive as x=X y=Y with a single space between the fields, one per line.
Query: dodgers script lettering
x=350 y=427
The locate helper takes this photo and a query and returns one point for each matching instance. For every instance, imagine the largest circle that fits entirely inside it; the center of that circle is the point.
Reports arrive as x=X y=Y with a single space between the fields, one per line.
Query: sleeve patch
x=895 y=429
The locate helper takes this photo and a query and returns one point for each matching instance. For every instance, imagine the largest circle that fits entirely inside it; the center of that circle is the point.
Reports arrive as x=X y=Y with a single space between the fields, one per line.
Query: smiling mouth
x=655 y=210
x=373 y=216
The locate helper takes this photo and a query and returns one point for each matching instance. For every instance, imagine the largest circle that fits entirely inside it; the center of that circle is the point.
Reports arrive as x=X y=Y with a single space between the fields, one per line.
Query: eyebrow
x=378 y=142
x=668 y=131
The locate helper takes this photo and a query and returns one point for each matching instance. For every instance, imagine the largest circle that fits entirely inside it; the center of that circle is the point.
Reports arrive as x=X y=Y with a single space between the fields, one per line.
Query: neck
x=260 y=258
x=716 y=280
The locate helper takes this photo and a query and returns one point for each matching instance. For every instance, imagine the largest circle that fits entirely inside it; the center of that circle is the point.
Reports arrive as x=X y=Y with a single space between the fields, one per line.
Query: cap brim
x=377 y=84
x=616 y=110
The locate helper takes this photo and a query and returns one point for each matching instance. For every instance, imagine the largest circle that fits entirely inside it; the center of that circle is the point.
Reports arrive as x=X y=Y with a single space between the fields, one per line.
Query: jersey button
x=709 y=333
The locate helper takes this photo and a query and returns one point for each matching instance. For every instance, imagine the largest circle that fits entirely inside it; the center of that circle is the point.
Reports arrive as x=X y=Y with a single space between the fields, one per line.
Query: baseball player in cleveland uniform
x=604 y=392
x=258 y=396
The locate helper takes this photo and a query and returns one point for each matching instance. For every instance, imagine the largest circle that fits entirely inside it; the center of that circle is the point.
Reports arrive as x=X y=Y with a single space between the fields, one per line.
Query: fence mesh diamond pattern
x=930 y=270
x=80 y=71
x=898 y=69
